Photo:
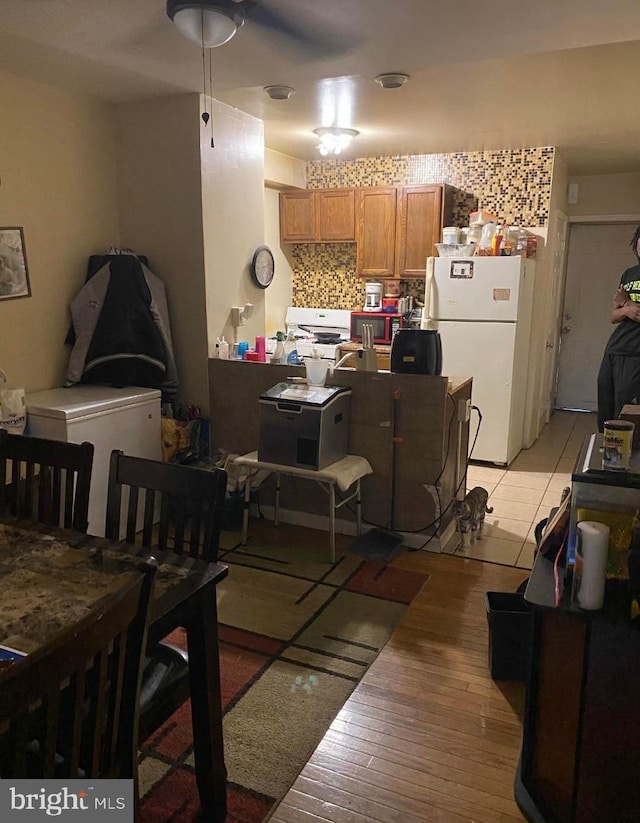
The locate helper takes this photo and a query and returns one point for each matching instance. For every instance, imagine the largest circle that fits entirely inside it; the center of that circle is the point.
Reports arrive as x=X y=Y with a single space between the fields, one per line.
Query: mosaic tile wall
x=514 y=184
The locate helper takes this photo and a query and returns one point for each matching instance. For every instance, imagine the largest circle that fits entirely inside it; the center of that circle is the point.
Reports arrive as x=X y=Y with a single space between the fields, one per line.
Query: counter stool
x=345 y=473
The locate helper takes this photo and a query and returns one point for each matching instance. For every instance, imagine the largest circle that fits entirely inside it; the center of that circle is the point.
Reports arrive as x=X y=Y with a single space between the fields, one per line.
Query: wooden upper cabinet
x=422 y=212
x=376 y=210
x=317 y=216
x=297 y=216
x=335 y=210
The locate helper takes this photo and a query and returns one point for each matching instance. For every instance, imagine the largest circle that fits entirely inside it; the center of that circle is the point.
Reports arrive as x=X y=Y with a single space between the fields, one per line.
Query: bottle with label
x=496 y=241
x=507 y=248
x=278 y=355
x=291 y=350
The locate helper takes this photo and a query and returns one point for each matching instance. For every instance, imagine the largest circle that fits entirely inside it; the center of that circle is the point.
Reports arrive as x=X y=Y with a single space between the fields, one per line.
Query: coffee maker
x=373 y=297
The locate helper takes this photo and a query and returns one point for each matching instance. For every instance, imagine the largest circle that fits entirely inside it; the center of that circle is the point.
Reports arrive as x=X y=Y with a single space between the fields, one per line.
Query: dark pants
x=618 y=384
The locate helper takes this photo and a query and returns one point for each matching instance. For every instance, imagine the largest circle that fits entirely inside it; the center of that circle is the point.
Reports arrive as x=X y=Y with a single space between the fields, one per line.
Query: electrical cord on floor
x=436 y=522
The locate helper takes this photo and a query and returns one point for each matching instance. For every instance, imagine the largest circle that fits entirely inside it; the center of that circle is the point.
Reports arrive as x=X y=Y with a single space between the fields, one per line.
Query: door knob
x=566 y=329
x=549 y=345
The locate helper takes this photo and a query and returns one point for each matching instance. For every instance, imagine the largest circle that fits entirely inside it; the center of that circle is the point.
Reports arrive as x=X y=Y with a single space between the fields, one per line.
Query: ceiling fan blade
x=311 y=38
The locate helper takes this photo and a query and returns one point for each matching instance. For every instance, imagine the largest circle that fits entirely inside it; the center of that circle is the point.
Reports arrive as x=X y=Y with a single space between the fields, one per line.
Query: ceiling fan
x=212 y=23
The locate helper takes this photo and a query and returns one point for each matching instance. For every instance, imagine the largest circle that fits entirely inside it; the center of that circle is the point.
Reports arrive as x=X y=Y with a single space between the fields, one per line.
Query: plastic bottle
x=496 y=241
x=521 y=244
x=278 y=355
x=291 y=350
x=223 y=349
x=488 y=230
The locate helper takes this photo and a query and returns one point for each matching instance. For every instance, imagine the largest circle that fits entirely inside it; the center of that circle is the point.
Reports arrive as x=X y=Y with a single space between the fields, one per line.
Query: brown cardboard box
x=632 y=413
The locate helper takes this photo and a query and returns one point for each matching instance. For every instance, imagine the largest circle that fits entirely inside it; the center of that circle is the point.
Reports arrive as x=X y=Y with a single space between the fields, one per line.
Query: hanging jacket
x=121 y=325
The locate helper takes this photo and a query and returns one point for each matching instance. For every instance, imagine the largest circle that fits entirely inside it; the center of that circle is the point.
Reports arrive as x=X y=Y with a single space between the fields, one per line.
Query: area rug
x=297 y=633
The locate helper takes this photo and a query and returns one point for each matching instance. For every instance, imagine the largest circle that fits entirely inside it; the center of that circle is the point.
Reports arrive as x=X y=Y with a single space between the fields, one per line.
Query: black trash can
x=509 y=635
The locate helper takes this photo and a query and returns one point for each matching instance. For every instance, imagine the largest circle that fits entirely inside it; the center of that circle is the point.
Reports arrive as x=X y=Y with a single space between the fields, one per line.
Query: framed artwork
x=14 y=275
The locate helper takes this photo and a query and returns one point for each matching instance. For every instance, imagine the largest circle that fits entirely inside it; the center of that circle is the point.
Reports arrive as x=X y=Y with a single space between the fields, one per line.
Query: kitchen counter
x=429 y=447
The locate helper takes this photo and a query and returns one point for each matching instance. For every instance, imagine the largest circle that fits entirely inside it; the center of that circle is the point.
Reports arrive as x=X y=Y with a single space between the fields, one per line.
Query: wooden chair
x=190 y=504
x=47 y=481
x=190 y=510
x=70 y=709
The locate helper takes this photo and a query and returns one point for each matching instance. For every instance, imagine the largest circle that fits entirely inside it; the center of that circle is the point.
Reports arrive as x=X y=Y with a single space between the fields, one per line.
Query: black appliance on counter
x=416 y=351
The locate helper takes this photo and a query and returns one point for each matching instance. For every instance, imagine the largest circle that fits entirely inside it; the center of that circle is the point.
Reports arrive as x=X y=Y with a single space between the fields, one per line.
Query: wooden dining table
x=51 y=577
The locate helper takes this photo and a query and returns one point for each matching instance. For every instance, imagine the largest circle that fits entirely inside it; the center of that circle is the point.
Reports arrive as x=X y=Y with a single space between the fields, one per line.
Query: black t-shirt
x=625 y=338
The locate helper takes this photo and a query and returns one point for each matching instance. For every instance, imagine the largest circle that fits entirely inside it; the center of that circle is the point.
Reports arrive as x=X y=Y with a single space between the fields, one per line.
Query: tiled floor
x=522 y=495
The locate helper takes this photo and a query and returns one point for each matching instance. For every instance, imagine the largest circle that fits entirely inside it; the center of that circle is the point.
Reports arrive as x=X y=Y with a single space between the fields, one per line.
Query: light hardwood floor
x=428 y=735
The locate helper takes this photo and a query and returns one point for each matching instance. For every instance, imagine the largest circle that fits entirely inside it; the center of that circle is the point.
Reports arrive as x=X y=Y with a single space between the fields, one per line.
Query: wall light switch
x=572 y=193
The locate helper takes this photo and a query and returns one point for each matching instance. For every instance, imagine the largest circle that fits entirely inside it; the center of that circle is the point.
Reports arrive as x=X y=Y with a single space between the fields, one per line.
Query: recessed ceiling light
x=279 y=92
x=392 y=80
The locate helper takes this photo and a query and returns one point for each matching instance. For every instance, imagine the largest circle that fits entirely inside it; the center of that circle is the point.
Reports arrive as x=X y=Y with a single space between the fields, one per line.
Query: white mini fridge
x=482 y=307
x=110 y=418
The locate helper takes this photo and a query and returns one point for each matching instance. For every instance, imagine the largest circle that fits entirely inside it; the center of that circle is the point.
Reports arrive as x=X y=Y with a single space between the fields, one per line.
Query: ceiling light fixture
x=333 y=139
x=279 y=92
x=209 y=24
x=392 y=80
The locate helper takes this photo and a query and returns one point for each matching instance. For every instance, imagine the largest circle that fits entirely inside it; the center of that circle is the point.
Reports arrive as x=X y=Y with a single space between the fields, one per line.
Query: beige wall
x=57 y=180
x=233 y=220
x=198 y=213
x=606 y=195
x=280 y=171
x=158 y=151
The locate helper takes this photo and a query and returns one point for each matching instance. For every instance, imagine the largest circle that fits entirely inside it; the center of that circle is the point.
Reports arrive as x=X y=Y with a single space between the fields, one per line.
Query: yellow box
x=621 y=526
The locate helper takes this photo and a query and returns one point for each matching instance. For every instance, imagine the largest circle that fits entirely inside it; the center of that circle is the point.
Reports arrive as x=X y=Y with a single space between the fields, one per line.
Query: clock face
x=262 y=266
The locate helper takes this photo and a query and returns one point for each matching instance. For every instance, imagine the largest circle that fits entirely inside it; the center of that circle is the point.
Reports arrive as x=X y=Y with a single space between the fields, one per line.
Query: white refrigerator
x=482 y=307
x=110 y=418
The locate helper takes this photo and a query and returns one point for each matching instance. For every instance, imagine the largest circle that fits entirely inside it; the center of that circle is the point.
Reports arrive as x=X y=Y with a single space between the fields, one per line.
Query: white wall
x=606 y=194
x=57 y=181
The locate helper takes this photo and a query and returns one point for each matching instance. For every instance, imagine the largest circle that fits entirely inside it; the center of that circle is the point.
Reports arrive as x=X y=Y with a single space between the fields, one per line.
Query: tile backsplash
x=514 y=184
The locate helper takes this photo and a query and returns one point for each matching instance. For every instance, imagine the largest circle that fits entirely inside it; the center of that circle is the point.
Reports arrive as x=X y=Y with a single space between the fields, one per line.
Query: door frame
x=576 y=220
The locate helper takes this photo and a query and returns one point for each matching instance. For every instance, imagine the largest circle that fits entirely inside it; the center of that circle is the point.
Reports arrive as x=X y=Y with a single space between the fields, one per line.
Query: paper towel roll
x=594 y=546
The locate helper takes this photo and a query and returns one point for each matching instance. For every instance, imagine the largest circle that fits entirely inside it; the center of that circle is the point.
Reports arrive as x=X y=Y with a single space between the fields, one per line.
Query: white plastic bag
x=13 y=408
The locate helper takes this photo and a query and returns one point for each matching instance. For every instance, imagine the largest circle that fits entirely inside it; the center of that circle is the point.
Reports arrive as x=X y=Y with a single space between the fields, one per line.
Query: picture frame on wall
x=14 y=274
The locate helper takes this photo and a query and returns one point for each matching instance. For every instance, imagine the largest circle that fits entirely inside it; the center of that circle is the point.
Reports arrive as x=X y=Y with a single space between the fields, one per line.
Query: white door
x=559 y=245
x=486 y=352
x=598 y=254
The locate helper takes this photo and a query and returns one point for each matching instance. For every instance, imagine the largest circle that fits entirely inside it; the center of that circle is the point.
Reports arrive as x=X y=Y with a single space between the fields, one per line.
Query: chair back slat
x=132 y=515
x=44 y=480
x=190 y=504
x=73 y=704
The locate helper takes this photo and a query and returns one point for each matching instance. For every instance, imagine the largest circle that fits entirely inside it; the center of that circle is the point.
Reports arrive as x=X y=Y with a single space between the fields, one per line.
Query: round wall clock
x=262 y=266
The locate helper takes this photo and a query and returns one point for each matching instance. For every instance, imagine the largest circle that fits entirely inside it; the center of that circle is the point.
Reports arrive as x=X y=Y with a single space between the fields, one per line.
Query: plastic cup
x=316 y=372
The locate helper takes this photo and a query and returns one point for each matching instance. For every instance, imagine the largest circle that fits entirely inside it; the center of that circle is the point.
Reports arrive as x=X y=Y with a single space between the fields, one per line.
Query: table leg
x=332 y=519
x=206 y=706
x=245 y=509
x=358 y=509
x=277 y=517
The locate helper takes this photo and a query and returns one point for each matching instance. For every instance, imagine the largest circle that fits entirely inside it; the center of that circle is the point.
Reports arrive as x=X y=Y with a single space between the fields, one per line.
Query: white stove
x=306 y=323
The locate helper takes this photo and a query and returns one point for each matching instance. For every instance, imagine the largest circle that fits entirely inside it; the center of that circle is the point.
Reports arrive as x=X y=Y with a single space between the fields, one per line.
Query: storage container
x=509 y=635
x=451 y=234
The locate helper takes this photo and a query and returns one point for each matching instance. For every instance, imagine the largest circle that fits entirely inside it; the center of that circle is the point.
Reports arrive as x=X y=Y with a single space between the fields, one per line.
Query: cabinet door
x=376 y=231
x=336 y=214
x=297 y=217
x=419 y=228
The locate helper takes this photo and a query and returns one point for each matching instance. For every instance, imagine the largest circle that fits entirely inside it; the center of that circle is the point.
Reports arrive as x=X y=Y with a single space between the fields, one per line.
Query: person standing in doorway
x=619 y=375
